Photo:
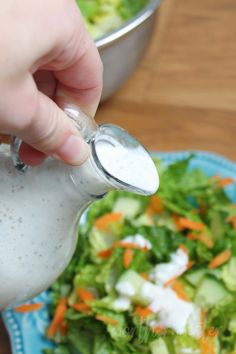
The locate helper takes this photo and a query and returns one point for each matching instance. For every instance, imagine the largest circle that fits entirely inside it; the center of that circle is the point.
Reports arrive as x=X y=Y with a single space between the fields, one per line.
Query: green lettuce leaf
x=229 y=274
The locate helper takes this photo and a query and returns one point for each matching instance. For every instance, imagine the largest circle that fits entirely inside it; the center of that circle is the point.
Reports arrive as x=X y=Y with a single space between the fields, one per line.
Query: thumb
x=53 y=133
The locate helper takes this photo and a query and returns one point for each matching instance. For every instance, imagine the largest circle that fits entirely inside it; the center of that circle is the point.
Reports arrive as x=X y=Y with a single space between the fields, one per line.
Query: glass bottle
x=41 y=206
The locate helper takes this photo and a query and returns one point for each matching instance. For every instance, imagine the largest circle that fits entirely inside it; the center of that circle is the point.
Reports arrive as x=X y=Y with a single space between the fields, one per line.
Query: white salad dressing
x=166 y=271
x=138 y=240
x=112 y=161
x=195 y=323
x=122 y=304
x=172 y=312
x=125 y=289
x=39 y=213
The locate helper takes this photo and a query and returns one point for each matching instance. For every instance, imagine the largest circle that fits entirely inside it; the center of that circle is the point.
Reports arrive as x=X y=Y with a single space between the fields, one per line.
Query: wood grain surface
x=183 y=95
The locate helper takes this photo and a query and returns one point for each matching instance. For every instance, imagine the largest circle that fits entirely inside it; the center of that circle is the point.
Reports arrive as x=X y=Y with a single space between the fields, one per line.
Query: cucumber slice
x=210 y=292
x=229 y=274
x=195 y=277
x=143 y=220
x=130 y=207
x=159 y=346
x=129 y=285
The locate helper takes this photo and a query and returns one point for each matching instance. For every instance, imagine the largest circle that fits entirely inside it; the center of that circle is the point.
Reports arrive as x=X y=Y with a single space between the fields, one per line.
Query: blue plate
x=27 y=331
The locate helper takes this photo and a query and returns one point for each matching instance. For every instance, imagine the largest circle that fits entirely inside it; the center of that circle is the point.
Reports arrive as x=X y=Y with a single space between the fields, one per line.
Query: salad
x=103 y=16
x=154 y=275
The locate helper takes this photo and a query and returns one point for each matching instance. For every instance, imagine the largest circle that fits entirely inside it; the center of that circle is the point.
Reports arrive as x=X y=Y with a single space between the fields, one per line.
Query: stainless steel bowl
x=122 y=50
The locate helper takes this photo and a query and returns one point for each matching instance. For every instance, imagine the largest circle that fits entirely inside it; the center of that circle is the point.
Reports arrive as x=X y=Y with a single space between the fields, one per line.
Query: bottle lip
x=104 y=130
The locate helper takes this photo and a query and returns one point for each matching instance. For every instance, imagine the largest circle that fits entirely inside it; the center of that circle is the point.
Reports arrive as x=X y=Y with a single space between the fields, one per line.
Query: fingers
x=81 y=82
x=76 y=64
x=46 y=82
x=56 y=42
x=31 y=156
x=51 y=132
x=76 y=77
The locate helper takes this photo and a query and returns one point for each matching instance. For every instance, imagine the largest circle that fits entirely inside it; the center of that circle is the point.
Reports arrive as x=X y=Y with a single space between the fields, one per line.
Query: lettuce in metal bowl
x=103 y=16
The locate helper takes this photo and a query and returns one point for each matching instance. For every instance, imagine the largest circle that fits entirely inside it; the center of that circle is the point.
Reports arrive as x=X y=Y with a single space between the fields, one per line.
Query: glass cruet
x=41 y=206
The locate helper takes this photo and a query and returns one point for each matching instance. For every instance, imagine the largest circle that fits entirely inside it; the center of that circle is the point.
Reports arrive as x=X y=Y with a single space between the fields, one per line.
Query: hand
x=47 y=59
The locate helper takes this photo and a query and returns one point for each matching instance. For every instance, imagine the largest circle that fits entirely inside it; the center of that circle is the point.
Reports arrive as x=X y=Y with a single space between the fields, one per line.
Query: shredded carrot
x=144 y=275
x=122 y=244
x=28 y=308
x=170 y=281
x=127 y=257
x=104 y=221
x=211 y=345
x=142 y=312
x=192 y=236
x=212 y=332
x=107 y=319
x=158 y=329
x=178 y=226
x=206 y=240
x=190 y=264
x=203 y=320
x=178 y=288
x=204 y=346
x=85 y=295
x=155 y=205
x=207 y=339
x=131 y=245
x=232 y=220
x=207 y=345
x=223 y=182
x=149 y=211
x=82 y=307
x=58 y=317
x=220 y=259
x=202 y=238
x=189 y=224
x=183 y=248
x=63 y=327
x=52 y=329
x=105 y=253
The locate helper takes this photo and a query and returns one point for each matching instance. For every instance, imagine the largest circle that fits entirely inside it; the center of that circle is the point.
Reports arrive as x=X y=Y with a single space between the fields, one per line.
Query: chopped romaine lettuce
x=114 y=314
x=229 y=274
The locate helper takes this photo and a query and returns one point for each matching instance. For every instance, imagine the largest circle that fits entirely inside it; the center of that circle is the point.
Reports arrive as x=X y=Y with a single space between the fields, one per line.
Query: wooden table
x=183 y=96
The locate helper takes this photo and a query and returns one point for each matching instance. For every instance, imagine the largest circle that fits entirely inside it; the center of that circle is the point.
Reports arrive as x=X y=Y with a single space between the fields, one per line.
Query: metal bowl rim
x=136 y=21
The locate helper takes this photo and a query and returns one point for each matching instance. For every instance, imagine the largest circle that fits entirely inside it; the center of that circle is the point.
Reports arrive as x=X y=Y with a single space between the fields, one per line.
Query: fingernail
x=74 y=151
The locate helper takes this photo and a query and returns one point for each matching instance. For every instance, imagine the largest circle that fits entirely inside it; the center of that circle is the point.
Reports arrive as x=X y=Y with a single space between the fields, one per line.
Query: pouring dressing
x=41 y=206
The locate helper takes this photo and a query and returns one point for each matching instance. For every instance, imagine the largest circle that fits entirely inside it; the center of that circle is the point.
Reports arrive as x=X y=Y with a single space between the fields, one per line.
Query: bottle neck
x=88 y=181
